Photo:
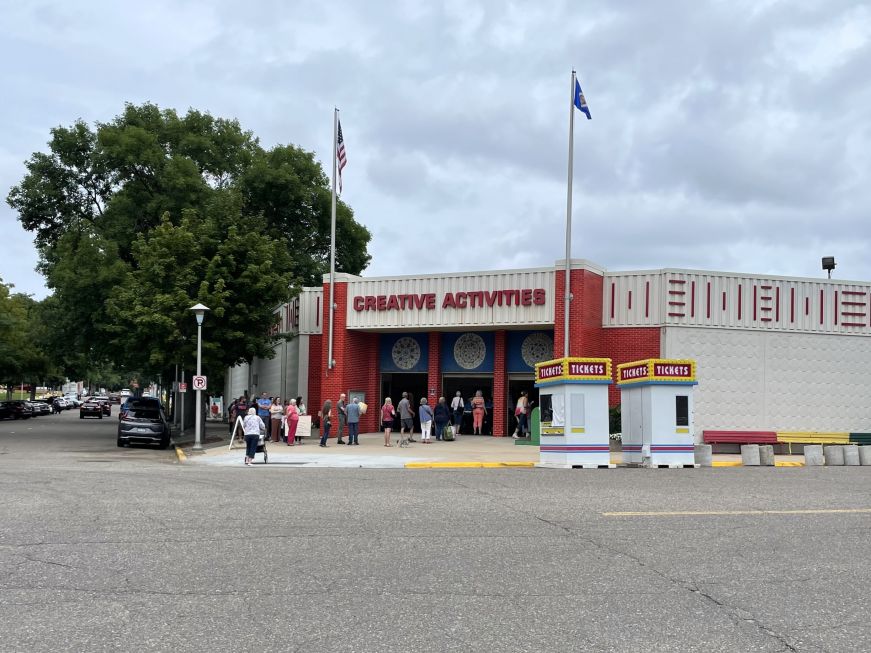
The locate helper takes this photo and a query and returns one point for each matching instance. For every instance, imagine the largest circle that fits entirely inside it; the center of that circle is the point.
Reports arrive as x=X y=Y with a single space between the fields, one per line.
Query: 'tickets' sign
x=472 y=299
x=573 y=370
x=657 y=369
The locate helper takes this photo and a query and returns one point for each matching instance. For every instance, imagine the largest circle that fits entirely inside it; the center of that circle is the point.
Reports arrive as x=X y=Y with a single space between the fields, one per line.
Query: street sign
x=199 y=383
x=182 y=387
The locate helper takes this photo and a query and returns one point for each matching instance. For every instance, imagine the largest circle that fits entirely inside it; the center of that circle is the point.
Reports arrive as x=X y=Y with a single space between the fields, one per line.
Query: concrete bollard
x=865 y=455
x=834 y=455
x=750 y=455
x=766 y=455
x=704 y=455
x=851 y=454
x=813 y=455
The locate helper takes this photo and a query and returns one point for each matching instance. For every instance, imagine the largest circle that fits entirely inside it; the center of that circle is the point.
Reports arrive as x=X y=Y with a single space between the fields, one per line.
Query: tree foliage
x=139 y=218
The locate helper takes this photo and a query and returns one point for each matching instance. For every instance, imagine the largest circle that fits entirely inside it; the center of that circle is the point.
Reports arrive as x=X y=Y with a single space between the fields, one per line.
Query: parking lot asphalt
x=104 y=550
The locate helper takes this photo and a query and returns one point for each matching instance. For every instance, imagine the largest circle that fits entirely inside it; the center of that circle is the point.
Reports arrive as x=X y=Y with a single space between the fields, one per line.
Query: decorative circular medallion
x=536 y=347
x=406 y=353
x=469 y=351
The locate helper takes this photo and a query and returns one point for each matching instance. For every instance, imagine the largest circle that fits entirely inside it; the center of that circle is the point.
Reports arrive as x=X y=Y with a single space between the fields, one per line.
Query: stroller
x=261 y=448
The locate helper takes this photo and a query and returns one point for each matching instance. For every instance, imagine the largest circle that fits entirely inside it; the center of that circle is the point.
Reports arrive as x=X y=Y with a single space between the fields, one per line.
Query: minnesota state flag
x=580 y=100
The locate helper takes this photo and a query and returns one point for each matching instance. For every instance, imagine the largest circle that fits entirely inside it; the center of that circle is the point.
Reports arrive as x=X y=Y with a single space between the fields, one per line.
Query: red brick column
x=500 y=385
x=585 y=325
x=434 y=369
x=333 y=381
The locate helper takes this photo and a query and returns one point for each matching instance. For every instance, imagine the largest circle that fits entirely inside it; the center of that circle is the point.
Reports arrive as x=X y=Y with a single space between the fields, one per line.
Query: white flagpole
x=568 y=293
x=330 y=361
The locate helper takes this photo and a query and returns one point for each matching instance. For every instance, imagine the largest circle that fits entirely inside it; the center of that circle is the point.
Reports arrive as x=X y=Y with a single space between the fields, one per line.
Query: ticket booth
x=573 y=399
x=656 y=409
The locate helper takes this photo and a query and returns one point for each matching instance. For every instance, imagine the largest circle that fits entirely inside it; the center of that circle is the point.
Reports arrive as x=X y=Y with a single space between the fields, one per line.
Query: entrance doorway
x=395 y=383
x=468 y=385
x=516 y=385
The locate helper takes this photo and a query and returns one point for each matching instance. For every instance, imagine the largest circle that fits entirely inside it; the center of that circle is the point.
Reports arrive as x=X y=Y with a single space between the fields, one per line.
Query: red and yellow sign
x=660 y=370
x=573 y=370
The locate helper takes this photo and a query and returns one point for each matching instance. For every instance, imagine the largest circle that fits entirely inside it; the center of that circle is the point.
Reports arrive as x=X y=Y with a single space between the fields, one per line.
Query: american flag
x=340 y=154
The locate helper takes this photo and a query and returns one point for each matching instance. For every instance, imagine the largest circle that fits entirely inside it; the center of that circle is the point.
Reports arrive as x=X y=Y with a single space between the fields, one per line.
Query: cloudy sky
x=726 y=135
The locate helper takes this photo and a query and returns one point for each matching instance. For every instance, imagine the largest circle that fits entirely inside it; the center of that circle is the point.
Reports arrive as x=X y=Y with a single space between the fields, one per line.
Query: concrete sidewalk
x=467 y=451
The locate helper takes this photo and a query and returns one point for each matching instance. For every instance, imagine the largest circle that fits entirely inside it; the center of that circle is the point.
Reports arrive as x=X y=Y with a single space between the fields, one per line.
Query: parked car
x=91 y=408
x=73 y=400
x=106 y=403
x=17 y=409
x=144 y=422
x=42 y=406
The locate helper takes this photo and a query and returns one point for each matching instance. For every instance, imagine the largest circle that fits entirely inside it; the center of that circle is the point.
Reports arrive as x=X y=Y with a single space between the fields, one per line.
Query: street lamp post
x=200 y=311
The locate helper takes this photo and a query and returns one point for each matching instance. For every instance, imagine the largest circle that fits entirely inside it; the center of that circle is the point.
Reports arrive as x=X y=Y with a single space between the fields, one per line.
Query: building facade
x=773 y=353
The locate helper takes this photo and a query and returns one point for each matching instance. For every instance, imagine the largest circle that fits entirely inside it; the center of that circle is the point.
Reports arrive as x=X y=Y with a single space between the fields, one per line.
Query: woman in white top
x=276 y=413
x=253 y=427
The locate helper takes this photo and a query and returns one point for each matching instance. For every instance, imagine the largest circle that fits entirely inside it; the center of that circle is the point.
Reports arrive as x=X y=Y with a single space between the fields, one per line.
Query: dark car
x=107 y=405
x=144 y=422
x=91 y=408
x=17 y=409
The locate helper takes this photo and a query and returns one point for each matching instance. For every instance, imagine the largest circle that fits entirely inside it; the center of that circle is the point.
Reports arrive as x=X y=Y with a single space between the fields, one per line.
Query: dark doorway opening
x=516 y=385
x=468 y=385
x=395 y=383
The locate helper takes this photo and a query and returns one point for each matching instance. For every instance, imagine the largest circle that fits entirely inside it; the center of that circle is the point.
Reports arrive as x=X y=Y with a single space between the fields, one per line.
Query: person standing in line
x=341 y=408
x=300 y=407
x=353 y=412
x=478 y=412
x=241 y=412
x=425 y=413
x=458 y=407
x=442 y=416
x=231 y=415
x=263 y=405
x=326 y=420
x=520 y=413
x=387 y=416
x=276 y=412
x=253 y=427
x=406 y=417
x=292 y=420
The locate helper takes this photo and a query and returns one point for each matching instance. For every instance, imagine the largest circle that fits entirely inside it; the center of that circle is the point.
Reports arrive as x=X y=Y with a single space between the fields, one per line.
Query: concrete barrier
x=834 y=455
x=766 y=455
x=704 y=454
x=865 y=455
x=813 y=455
x=750 y=455
x=851 y=454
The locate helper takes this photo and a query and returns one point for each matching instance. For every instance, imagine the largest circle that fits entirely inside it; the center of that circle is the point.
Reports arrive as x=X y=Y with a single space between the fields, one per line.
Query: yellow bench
x=811 y=437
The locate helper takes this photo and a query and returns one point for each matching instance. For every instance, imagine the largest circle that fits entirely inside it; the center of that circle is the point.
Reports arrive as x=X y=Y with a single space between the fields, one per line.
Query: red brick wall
x=500 y=385
x=626 y=344
x=585 y=323
x=356 y=356
x=315 y=365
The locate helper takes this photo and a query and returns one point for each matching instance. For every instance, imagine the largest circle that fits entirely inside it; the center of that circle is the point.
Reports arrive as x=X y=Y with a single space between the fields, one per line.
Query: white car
x=72 y=401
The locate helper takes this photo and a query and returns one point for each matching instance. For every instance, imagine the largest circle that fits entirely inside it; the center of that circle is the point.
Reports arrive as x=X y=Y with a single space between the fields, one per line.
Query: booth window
x=682 y=410
x=577 y=409
x=546 y=406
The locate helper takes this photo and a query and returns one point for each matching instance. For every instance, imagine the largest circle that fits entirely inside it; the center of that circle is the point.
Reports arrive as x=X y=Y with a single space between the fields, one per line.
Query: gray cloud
x=725 y=135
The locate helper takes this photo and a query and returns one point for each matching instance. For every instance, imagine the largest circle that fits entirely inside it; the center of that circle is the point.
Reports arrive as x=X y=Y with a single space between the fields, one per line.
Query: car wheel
x=120 y=442
x=81 y=416
x=101 y=415
x=164 y=442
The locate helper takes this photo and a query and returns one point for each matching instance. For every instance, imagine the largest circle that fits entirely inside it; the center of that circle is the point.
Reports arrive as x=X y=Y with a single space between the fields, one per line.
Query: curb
x=466 y=465
x=182 y=458
x=738 y=463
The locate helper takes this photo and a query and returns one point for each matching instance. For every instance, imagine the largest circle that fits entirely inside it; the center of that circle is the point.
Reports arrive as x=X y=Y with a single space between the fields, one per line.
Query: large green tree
x=139 y=218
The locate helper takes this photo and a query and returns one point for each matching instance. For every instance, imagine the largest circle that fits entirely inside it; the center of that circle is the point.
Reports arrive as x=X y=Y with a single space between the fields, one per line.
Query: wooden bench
x=739 y=437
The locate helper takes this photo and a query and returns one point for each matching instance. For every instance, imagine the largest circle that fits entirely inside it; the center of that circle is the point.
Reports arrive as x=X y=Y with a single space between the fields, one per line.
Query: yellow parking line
x=180 y=455
x=717 y=513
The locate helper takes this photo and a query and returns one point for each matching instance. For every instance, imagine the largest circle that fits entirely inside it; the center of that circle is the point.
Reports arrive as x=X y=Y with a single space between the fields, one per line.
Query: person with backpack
x=458 y=407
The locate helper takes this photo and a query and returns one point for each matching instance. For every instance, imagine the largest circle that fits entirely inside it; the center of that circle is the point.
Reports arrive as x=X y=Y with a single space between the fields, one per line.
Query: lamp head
x=200 y=311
